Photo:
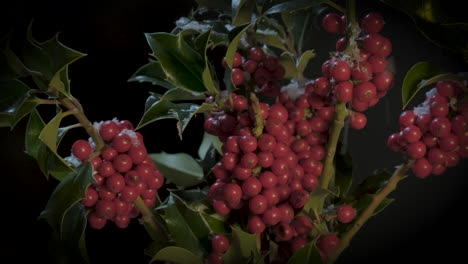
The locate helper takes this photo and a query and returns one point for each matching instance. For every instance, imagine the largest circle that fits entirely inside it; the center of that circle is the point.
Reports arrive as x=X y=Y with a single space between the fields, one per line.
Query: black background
x=426 y=222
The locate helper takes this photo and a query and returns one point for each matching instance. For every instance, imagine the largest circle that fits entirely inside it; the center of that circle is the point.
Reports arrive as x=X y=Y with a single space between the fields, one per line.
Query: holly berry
x=329 y=243
x=219 y=244
x=346 y=213
x=81 y=149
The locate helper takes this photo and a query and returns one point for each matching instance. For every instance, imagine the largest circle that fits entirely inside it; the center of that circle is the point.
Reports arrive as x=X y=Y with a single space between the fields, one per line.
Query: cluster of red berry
x=122 y=172
x=357 y=73
x=434 y=134
x=265 y=71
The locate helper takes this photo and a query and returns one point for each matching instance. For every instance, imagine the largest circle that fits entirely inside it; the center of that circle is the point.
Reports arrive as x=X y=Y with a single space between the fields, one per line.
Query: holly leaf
x=180 y=169
x=33 y=130
x=161 y=109
x=181 y=95
x=316 y=199
x=202 y=44
x=234 y=37
x=69 y=192
x=270 y=38
x=291 y=6
x=153 y=73
x=185 y=113
x=241 y=11
x=372 y=184
x=207 y=142
x=243 y=248
x=49 y=58
x=12 y=67
x=15 y=102
x=419 y=72
x=343 y=173
x=287 y=61
x=182 y=65
x=304 y=60
x=307 y=254
x=177 y=255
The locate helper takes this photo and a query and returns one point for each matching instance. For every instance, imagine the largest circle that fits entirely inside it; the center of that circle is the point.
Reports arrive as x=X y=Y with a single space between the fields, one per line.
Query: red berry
x=318 y=124
x=448 y=143
x=265 y=159
x=221 y=207
x=227 y=123
x=271 y=195
x=266 y=142
x=106 y=195
x=358 y=120
x=258 y=204
x=115 y=183
x=344 y=91
x=436 y=156
x=310 y=182
x=447 y=88
x=96 y=222
x=379 y=63
x=439 y=109
x=416 y=150
x=412 y=134
x=232 y=193
x=106 y=169
x=270 y=63
x=109 y=130
x=438 y=169
x=365 y=91
x=329 y=243
x=90 y=198
x=105 y=209
x=373 y=43
x=122 y=207
x=340 y=70
x=383 y=80
x=422 y=168
x=459 y=125
x=407 y=118
x=241 y=173
x=250 y=66
x=129 y=194
x=239 y=103
x=302 y=224
x=372 y=23
x=287 y=212
x=81 y=149
x=440 y=127
x=255 y=225
x=298 y=243
x=271 y=216
x=109 y=153
x=256 y=54
x=322 y=86
x=229 y=161
x=346 y=213
x=279 y=112
x=331 y=22
x=248 y=143
x=298 y=198
x=251 y=187
x=423 y=121
x=340 y=44
x=122 y=221
x=122 y=142
x=362 y=71
x=220 y=244
x=122 y=163
x=237 y=76
x=96 y=161
x=393 y=142
x=452 y=158
x=215 y=258
x=283 y=232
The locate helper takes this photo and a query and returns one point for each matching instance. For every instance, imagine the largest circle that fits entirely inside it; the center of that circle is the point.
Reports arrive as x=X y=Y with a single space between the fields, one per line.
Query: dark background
x=426 y=222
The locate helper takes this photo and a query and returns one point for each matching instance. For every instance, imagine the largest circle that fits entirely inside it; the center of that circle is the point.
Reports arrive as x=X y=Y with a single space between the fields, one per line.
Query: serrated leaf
x=181 y=169
x=304 y=60
x=48 y=58
x=419 y=72
x=182 y=65
x=49 y=133
x=33 y=129
x=241 y=11
x=343 y=173
x=287 y=61
x=372 y=184
x=12 y=67
x=176 y=94
x=208 y=141
x=316 y=199
x=176 y=255
x=185 y=113
x=13 y=97
x=270 y=38
x=307 y=254
x=70 y=191
x=202 y=43
x=242 y=249
x=291 y=6
x=234 y=37
x=161 y=109
x=153 y=73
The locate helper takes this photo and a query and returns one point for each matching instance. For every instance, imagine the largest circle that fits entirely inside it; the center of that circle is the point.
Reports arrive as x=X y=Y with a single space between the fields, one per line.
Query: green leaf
x=49 y=134
x=181 y=95
x=419 y=72
x=316 y=199
x=270 y=38
x=153 y=73
x=304 y=60
x=180 y=169
x=176 y=255
x=182 y=65
x=49 y=58
x=12 y=67
x=307 y=254
x=343 y=173
x=287 y=61
x=12 y=94
x=185 y=113
x=234 y=37
x=70 y=191
x=183 y=231
x=201 y=42
x=241 y=11
x=159 y=110
x=292 y=6
x=372 y=184
x=33 y=130
x=243 y=248
x=208 y=141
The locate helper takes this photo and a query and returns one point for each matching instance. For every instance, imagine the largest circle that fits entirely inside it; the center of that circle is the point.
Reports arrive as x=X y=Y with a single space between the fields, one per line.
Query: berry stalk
x=338 y=123
x=75 y=106
x=398 y=175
